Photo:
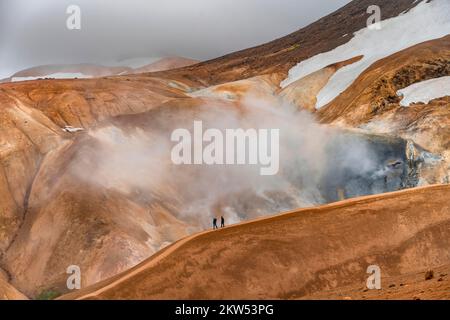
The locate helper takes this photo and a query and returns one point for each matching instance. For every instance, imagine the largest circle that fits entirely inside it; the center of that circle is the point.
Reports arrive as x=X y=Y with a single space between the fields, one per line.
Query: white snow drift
x=425 y=91
x=427 y=21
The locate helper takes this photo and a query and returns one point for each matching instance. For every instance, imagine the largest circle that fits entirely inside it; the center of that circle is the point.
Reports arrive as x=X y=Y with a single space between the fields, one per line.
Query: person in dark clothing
x=215 y=224
x=222 y=222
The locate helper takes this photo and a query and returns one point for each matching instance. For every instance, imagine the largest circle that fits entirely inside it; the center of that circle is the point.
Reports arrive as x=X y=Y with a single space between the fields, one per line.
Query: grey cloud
x=34 y=32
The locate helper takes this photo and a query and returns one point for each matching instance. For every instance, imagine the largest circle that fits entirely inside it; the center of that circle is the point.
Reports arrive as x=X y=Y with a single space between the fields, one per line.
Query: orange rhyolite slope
x=298 y=254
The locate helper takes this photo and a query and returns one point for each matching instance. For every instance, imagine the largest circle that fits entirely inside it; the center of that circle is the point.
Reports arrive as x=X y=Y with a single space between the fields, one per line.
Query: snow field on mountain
x=427 y=21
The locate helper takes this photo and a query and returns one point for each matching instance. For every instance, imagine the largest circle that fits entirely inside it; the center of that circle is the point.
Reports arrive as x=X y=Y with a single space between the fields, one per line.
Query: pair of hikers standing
x=222 y=223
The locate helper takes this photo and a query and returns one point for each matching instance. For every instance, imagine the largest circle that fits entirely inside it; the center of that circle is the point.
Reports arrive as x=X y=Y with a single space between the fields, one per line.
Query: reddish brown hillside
x=297 y=254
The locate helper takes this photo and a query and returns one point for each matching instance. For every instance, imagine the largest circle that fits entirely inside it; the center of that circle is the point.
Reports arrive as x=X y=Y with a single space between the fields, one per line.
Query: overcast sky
x=34 y=32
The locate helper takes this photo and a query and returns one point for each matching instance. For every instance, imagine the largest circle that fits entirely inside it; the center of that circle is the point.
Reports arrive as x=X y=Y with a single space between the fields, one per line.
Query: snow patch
x=71 y=129
x=427 y=21
x=59 y=75
x=425 y=91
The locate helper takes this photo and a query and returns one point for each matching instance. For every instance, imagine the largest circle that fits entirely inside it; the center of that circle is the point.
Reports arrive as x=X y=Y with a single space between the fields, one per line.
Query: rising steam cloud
x=315 y=163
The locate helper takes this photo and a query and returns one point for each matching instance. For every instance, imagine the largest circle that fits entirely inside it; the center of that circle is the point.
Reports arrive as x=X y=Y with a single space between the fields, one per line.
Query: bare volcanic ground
x=7 y=291
x=168 y=63
x=426 y=285
x=307 y=253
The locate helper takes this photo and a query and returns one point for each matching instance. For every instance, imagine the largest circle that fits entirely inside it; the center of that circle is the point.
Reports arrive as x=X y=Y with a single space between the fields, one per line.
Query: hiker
x=222 y=222
x=215 y=224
